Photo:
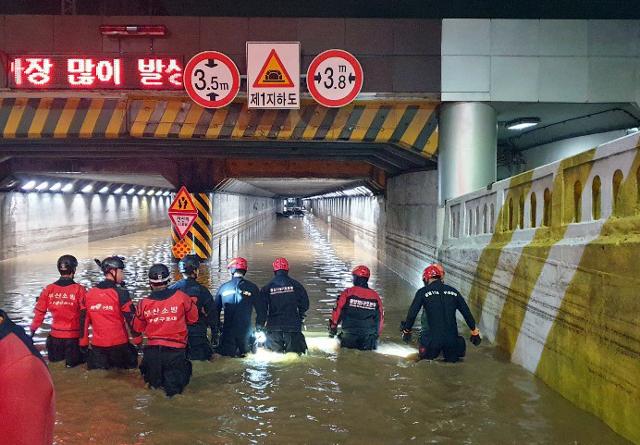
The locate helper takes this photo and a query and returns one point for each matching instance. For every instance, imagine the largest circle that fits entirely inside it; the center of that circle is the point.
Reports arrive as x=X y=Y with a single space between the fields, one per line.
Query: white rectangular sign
x=273 y=74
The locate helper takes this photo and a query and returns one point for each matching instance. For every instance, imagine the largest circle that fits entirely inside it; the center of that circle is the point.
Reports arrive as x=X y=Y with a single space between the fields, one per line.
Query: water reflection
x=328 y=396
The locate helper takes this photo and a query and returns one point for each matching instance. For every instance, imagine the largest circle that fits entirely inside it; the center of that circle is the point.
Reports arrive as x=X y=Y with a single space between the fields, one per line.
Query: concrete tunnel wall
x=548 y=261
x=401 y=228
x=32 y=222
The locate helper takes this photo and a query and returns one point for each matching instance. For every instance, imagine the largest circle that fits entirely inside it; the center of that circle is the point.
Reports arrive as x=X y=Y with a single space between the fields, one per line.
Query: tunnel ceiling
x=561 y=121
x=147 y=180
x=299 y=187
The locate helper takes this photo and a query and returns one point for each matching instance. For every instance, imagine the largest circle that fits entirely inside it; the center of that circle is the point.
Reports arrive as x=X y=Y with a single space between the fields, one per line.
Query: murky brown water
x=328 y=396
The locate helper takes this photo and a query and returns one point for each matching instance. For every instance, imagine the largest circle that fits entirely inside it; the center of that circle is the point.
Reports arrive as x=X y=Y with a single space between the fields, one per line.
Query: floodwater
x=328 y=396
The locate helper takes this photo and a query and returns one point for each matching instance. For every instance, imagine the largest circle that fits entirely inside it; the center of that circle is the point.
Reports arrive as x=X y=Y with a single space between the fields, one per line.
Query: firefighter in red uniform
x=27 y=399
x=65 y=300
x=163 y=317
x=360 y=311
x=109 y=312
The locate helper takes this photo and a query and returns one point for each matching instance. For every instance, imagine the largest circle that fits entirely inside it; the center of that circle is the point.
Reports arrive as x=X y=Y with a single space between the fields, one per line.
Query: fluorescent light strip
x=29 y=186
x=42 y=186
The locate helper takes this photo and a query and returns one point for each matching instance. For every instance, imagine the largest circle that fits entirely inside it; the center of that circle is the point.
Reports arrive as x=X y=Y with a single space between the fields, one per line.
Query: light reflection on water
x=327 y=396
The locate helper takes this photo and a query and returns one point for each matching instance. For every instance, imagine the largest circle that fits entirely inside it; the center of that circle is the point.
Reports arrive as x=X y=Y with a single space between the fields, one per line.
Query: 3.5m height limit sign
x=211 y=79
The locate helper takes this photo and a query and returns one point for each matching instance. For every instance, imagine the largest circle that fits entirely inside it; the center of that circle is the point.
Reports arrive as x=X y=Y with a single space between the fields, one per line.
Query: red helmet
x=439 y=266
x=280 y=264
x=432 y=271
x=238 y=264
x=361 y=271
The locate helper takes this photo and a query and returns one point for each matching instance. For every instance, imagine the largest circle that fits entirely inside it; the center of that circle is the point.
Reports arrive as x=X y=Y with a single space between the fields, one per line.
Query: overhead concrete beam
x=391 y=159
x=251 y=168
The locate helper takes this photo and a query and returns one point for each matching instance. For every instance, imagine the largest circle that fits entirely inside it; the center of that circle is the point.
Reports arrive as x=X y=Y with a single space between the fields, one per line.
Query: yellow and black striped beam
x=62 y=117
x=411 y=125
x=201 y=229
x=199 y=238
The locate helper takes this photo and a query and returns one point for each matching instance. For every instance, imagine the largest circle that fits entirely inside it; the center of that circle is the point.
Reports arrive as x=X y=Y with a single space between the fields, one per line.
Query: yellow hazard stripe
x=431 y=147
x=202 y=211
x=266 y=122
x=15 y=115
x=89 y=123
x=417 y=124
x=115 y=125
x=488 y=261
x=241 y=122
x=391 y=123
x=62 y=127
x=141 y=120
x=168 y=118
x=200 y=237
x=190 y=121
x=293 y=117
x=535 y=254
x=39 y=119
x=202 y=227
x=364 y=123
x=205 y=198
x=339 y=122
x=314 y=123
x=215 y=127
x=141 y=117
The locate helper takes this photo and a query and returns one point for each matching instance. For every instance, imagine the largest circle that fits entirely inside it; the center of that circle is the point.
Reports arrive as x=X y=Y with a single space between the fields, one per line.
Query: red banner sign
x=96 y=72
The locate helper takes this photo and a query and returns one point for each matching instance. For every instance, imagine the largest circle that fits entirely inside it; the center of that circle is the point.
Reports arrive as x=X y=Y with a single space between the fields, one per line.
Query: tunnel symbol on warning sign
x=273 y=74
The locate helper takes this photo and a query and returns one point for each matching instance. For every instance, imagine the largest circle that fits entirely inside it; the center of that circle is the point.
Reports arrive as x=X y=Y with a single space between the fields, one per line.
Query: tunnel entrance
x=147 y=146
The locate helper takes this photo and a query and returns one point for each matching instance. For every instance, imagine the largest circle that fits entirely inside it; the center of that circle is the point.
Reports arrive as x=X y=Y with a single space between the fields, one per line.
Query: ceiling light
x=68 y=187
x=118 y=191
x=131 y=191
x=29 y=186
x=133 y=30
x=167 y=193
x=42 y=186
x=55 y=187
x=141 y=192
x=87 y=188
x=104 y=189
x=522 y=123
x=151 y=192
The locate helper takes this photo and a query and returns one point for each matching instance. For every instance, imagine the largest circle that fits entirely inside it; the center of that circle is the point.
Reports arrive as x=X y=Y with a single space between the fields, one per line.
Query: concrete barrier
x=554 y=277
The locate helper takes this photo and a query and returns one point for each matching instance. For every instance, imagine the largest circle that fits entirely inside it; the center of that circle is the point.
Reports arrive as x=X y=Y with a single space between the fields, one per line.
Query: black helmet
x=189 y=264
x=159 y=274
x=111 y=263
x=67 y=264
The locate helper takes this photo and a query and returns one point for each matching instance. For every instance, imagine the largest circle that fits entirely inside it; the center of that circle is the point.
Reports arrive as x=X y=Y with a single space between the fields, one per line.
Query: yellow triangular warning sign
x=183 y=203
x=273 y=73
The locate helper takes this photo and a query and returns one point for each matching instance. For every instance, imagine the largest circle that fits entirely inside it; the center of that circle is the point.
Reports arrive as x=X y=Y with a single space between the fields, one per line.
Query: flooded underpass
x=327 y=396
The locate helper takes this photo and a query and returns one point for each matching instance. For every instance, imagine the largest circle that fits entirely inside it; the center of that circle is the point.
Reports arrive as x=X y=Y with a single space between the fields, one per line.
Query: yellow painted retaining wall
x=555 y=282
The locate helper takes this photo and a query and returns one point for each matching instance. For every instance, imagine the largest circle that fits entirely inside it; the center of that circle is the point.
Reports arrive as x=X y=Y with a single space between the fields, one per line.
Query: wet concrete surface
x=327 y=396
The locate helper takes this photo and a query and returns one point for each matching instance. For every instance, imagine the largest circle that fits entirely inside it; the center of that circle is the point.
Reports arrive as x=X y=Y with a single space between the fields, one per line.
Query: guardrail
x=595 y=185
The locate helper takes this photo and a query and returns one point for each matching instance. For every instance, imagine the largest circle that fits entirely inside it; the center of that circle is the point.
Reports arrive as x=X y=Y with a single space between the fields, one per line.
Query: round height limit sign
x=334 y=78
x=211 y=79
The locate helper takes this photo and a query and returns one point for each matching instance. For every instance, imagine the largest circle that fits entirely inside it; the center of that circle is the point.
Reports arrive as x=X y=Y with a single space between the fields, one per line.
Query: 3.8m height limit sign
x=334 y=78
